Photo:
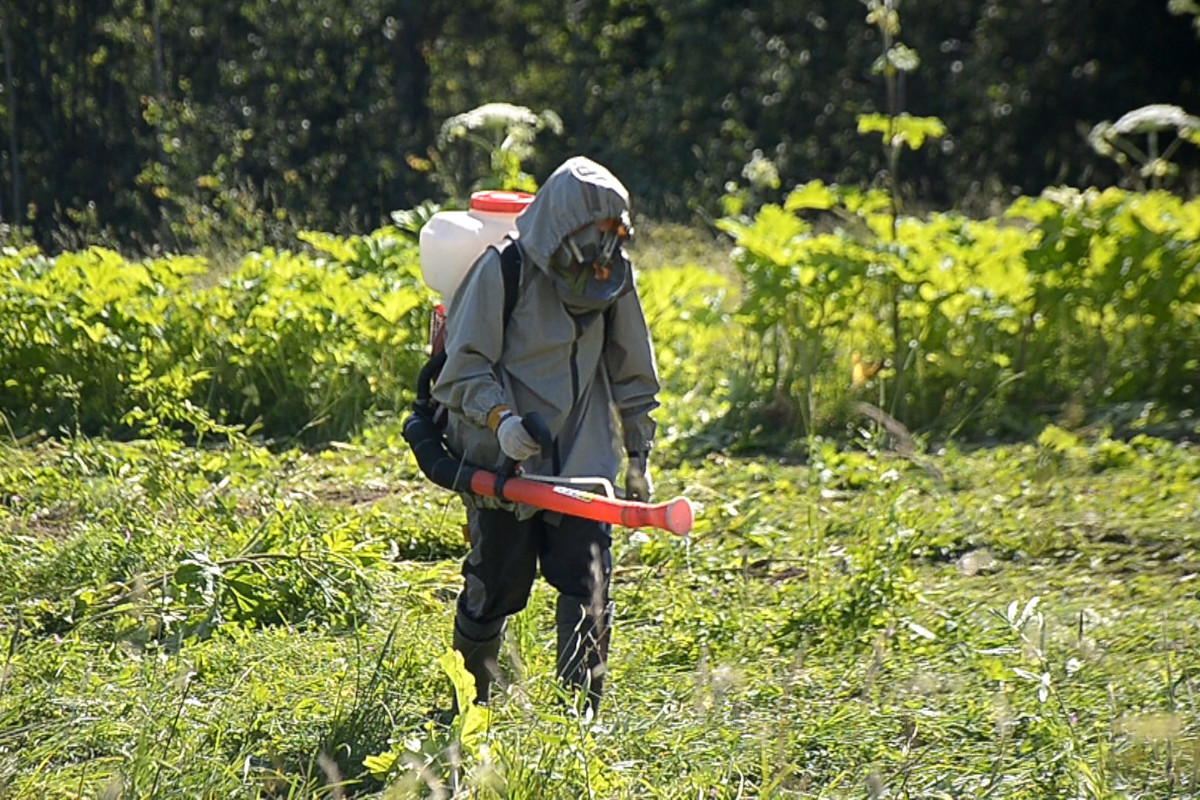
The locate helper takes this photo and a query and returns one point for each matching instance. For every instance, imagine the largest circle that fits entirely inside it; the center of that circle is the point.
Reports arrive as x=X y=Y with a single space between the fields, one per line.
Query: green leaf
x=902 y=129
x=473 y=720
x=248 y=594
x=472 y=726
x=874 y=123
x=772 y=236
x=453 y=665
x=341 y=249
x=197 y=570
x=1057 y=440
x=95 y=331
x=394 y=307
x=993 y=669
x=813 y=194
x=380 y=765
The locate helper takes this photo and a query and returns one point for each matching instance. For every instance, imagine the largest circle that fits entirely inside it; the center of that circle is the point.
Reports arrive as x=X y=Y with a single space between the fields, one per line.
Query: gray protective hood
x=578 y=193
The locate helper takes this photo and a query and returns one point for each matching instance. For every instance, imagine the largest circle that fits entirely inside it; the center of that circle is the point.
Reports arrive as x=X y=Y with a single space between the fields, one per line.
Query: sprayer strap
x=510 y=271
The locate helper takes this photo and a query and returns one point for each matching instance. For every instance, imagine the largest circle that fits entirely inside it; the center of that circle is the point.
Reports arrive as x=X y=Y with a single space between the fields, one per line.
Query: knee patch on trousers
x=477 y=631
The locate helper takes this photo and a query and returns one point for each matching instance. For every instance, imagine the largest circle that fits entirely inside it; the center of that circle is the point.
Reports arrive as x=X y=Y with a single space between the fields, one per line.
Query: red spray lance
x=674 y=515
x=545 y=493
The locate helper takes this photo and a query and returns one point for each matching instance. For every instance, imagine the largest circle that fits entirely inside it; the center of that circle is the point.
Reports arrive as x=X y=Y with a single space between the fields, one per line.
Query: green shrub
x=298 y=344
x=291 y=343
x=984 y=327
x=80 y=330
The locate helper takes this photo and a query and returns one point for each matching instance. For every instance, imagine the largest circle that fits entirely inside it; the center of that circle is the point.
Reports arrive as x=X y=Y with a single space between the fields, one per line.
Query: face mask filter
x=590 y=266
x=596 y=248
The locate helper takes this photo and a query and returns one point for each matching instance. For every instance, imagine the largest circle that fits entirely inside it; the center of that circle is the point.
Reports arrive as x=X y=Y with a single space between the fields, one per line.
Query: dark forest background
x=147 y=123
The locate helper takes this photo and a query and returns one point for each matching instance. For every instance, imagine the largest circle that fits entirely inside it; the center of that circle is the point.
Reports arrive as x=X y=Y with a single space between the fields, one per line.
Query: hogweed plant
x=898 y=130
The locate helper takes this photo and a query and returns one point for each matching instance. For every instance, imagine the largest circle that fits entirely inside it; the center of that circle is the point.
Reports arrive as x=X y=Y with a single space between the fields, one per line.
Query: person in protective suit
x=574 y=348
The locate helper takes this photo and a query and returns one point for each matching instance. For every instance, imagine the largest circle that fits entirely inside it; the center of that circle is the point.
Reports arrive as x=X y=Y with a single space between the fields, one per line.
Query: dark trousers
x=575 y=556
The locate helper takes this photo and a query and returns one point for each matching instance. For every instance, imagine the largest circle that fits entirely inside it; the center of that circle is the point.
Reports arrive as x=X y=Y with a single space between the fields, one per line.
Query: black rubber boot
x=481 y=656
x=583 y=636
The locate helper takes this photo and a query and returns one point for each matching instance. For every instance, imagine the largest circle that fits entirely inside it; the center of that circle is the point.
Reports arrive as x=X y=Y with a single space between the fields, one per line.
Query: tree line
x=159 y=123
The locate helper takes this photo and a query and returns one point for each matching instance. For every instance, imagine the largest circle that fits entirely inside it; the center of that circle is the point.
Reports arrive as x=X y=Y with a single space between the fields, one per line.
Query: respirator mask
x=590 y=267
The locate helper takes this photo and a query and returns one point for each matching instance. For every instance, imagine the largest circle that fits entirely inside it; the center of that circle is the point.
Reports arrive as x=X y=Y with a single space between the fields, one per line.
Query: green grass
x=1014 y=622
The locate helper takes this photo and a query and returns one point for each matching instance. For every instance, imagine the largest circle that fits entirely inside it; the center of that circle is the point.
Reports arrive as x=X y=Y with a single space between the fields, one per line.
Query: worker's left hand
x=638 y=485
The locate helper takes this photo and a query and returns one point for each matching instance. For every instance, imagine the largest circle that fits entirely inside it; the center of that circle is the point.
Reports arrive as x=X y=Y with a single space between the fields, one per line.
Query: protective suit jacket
x=586 y=367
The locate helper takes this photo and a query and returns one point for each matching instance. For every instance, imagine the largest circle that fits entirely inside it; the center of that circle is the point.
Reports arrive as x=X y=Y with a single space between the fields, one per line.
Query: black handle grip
x=539 y=430
x=536 y=427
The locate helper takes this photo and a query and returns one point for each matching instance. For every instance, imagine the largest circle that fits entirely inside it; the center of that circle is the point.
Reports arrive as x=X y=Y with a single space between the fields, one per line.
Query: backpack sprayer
x=450 y=243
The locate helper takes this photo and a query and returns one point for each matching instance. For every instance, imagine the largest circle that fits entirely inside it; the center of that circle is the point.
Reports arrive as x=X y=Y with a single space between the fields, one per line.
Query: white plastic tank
x=452 y=240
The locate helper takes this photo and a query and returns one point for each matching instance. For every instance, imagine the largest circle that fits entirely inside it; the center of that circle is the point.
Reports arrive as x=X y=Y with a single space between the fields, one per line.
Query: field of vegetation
x=1013 y=622
x=224 y=576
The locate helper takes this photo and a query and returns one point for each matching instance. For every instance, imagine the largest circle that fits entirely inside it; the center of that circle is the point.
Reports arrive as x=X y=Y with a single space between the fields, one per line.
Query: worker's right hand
x=638 y=485
x=515 y=441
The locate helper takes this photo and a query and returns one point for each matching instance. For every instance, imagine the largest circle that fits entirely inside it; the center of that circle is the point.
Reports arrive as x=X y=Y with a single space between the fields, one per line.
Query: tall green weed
x=952 y=325
x=1114 y=312
x=289 y=343
x=80 y=329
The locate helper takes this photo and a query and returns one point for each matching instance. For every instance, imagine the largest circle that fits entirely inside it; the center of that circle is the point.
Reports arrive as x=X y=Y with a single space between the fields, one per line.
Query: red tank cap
x=500 y=202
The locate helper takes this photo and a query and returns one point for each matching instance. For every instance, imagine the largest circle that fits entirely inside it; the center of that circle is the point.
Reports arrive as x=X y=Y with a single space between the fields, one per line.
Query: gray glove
x=638 y=485
x=515 y=441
